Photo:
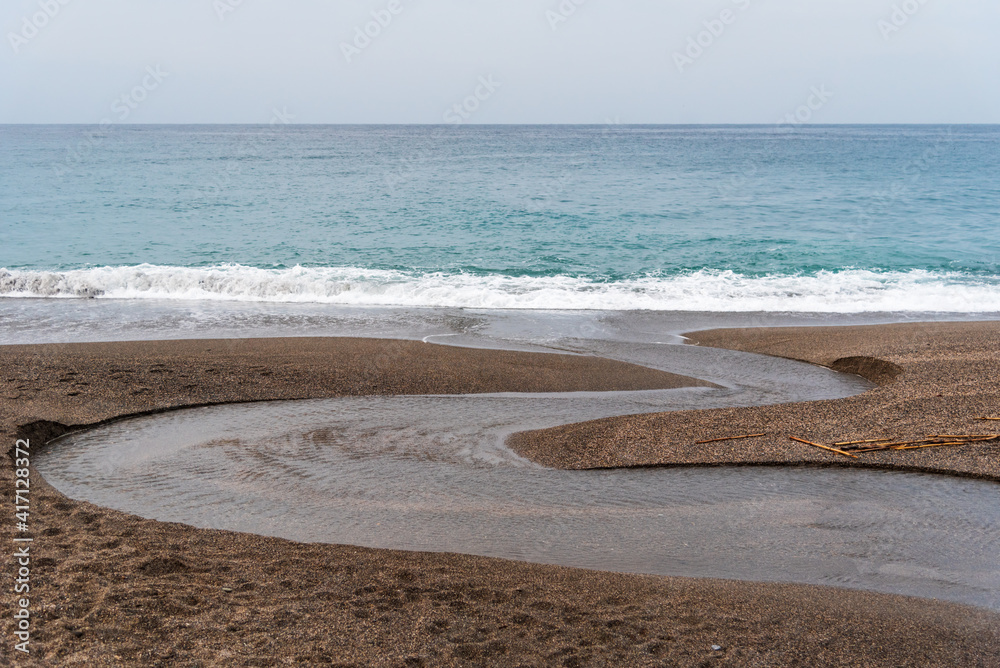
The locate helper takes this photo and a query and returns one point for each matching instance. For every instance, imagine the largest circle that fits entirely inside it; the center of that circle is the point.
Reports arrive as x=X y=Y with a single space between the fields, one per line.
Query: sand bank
x=933 y=378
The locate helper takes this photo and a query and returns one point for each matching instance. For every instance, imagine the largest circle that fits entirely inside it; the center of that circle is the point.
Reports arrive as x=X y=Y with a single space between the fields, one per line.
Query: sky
x=500 y=61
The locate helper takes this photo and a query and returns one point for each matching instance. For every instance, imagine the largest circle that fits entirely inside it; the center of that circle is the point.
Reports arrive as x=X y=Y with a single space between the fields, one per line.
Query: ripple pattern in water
x=431 y=473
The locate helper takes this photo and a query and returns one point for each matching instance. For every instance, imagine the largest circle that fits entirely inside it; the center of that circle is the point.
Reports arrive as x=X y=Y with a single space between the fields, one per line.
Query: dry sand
x=113 y=589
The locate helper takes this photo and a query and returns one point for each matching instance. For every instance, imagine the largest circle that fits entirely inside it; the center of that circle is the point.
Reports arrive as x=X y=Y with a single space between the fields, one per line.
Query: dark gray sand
x=113 y=589
x=934 y=378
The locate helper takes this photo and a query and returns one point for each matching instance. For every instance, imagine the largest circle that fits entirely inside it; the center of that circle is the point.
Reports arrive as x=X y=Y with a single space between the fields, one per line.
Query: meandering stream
x=432 y=473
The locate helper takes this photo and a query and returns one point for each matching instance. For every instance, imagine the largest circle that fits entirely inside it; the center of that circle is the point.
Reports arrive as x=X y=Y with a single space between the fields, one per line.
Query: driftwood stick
x=825 y=447
x=891 y=446
x=896 y=446
x=903 y=443
x=988 y=418
x=870 y=440
x=929 y=445
x=929 y=440
x=729 y=438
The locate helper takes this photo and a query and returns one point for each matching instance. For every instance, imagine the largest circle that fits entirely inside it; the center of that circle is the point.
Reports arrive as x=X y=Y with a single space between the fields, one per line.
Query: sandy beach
x=113 y=589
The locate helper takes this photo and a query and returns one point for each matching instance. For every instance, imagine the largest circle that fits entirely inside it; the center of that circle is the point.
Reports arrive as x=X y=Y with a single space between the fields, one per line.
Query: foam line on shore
x=847 y=290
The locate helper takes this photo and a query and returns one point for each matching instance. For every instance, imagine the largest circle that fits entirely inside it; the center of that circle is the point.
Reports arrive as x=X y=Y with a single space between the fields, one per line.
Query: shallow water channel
x=432 y=473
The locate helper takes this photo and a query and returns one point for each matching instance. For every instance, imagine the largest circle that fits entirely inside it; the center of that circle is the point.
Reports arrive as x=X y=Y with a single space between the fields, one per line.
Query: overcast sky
x=529 y=61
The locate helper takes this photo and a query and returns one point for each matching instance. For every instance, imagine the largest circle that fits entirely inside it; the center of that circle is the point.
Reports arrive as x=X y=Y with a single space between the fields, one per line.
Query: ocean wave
x=842 y=291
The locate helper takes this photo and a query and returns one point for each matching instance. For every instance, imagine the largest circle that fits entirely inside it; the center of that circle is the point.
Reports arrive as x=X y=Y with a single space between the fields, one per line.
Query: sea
x=609 y=218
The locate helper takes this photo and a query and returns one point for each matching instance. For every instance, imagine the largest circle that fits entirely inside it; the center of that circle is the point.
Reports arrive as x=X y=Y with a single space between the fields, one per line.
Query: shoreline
x=115 y=589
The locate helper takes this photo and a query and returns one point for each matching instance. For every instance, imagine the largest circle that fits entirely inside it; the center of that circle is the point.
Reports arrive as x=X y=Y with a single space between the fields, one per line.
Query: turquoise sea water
x=818 y=218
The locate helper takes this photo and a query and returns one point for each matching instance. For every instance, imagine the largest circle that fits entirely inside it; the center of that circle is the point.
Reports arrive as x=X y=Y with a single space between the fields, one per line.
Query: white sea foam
x=844 y=291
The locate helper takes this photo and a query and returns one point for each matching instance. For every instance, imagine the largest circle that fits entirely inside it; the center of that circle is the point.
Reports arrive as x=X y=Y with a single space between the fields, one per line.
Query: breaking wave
x=842 y=291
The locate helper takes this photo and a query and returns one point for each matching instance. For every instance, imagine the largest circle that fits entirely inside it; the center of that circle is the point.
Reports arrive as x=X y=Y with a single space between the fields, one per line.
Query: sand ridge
x=933 y=378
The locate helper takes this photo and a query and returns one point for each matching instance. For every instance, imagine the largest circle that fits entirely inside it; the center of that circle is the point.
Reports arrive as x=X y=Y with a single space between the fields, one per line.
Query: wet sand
x=113 y=589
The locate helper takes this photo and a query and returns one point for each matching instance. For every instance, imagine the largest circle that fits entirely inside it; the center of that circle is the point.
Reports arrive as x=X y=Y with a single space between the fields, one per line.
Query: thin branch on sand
x=930 y=445
x=825 y=447
x=870 y=440
x=729 y=438
x=931 y=441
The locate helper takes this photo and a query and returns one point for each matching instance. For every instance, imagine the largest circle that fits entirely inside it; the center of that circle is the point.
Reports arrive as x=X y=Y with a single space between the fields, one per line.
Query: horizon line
x=487 y=125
